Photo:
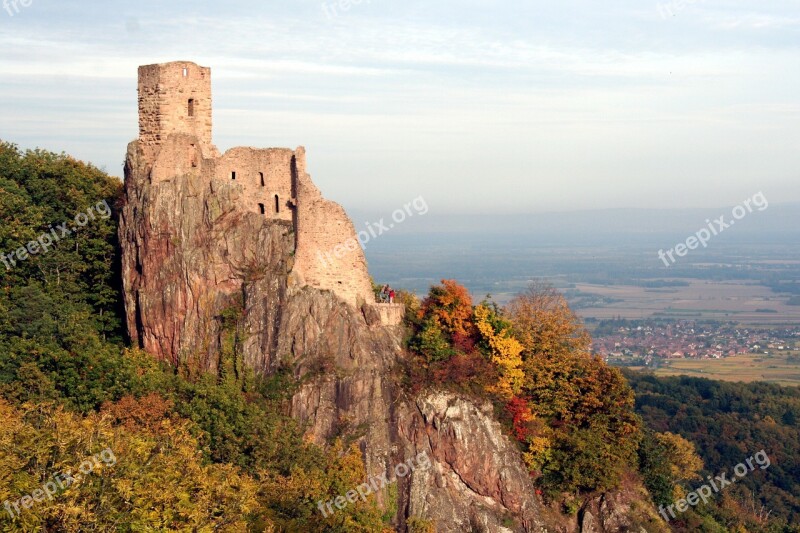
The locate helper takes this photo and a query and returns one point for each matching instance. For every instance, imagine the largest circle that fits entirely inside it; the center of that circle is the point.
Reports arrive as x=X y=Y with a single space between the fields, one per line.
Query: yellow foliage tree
x=506 y=353
x=154 y=482
x=297 y=500
x=544 y=323
x=684 y=463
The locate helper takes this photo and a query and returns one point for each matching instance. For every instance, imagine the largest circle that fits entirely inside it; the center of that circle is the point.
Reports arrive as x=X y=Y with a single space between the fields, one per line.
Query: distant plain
x=780 y=369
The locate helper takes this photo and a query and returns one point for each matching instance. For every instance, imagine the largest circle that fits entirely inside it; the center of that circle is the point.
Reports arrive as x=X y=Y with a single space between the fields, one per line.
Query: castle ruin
x=175 y=139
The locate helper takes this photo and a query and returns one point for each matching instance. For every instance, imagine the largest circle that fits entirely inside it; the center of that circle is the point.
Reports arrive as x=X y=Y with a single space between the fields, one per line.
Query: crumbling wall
x=266 y=177
x=328 y=254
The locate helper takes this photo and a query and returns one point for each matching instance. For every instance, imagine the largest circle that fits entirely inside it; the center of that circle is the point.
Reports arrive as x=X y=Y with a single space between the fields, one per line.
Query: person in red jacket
x=391 y=296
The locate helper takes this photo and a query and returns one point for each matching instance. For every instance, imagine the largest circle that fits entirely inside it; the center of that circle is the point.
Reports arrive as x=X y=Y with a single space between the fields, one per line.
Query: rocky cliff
x=191 y=251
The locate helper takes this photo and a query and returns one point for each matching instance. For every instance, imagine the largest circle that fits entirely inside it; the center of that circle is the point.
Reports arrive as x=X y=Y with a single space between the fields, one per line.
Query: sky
x=479 y=107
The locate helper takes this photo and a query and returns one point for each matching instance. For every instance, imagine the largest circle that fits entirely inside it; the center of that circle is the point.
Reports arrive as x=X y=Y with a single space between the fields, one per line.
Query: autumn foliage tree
x=153 y=483
x=291 y=499
x=571 y=412
x=684 y=462
x=505 y=352
x=543 y=321
x=449 y=306
x=445 y=340
x=588 y=405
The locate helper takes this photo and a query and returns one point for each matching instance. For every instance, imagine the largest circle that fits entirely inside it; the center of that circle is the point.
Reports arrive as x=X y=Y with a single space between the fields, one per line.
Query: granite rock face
x=477 y=481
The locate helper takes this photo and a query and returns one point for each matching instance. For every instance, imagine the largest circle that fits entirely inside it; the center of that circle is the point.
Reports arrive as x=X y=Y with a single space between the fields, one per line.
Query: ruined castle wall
x=175 y=98
x=265 y=175
x=328 y=255
x=177 y=155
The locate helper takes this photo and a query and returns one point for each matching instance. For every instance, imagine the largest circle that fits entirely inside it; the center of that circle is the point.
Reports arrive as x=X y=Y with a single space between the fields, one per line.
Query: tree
x=296 y=500
x=505 y=352
x=40 y=190
x=685 y=464
x=138 y=481
x=449 y=306
x=432 y=344
x=544 y=323
x=593 y=432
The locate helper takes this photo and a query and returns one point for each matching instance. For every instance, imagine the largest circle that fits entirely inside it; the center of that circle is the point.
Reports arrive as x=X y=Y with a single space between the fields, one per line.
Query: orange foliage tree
x=543 y=321
x=445 y=339
x=449 y=306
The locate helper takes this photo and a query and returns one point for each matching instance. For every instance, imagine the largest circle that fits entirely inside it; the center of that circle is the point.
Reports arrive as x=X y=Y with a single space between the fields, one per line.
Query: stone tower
x=175 y=98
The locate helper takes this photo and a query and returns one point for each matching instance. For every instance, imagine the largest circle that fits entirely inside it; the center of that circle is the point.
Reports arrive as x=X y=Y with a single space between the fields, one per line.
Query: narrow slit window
x=233 y=175
x=185 y=72
x=261 y=175
x=262 y=209
x=191 y=107
x=277 y=204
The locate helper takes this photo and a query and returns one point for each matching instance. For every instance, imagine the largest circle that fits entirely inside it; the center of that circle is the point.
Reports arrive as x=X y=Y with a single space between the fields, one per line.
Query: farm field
x=746 y=303
x=747 y=368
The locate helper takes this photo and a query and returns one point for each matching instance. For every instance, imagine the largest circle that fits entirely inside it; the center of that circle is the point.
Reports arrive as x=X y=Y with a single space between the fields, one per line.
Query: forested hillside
x=729 y=422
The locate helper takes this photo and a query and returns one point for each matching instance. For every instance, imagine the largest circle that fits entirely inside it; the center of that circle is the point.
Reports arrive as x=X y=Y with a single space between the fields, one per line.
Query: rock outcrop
x=197 y=252
x=477 y=481
x=192 y=252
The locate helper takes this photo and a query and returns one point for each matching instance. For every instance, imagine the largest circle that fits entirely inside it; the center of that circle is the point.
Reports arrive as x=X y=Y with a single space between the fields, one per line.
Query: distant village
x=643 y=342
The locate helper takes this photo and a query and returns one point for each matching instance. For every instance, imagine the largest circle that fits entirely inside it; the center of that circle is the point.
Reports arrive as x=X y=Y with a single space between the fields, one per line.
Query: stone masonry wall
x=265 y=175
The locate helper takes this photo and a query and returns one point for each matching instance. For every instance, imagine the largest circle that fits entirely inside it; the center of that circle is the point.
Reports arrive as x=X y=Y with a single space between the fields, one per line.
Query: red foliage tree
x=521 y=417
